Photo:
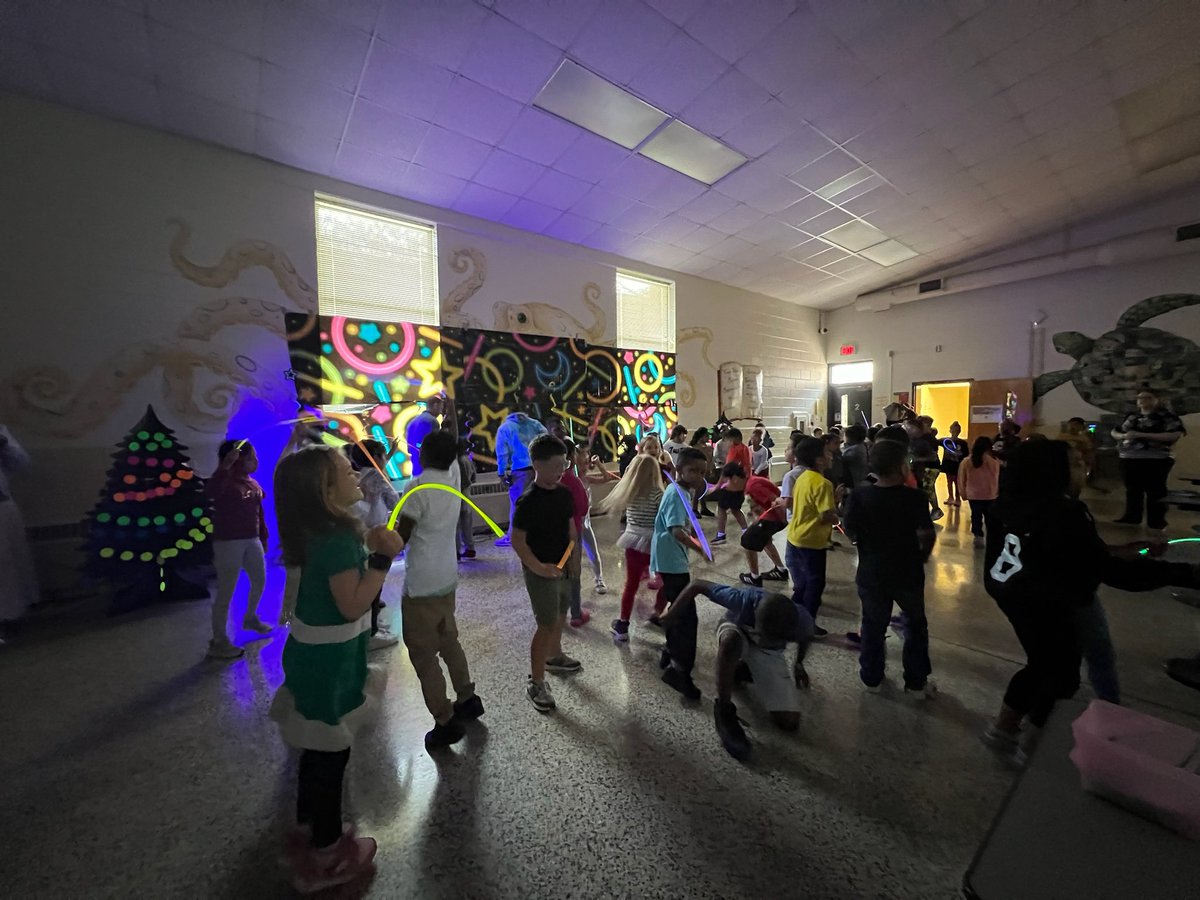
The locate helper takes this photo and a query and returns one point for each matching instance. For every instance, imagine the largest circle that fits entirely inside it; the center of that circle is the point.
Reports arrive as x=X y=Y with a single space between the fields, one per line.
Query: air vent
x=932 y=285
x=1188 y=232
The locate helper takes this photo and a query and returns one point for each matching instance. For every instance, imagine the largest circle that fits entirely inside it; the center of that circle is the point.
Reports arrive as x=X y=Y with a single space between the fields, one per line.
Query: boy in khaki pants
x=428 y=526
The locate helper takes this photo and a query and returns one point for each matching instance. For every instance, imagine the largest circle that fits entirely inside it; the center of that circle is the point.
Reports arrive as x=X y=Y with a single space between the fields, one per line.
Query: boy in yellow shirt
x=814 y=513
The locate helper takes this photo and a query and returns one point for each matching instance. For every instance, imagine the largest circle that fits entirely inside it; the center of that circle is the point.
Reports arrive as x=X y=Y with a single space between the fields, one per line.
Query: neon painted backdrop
x=369 y=377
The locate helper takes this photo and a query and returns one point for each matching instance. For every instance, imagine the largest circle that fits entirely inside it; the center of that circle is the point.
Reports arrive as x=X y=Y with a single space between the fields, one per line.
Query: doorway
x=850 y=393
x=945 y=402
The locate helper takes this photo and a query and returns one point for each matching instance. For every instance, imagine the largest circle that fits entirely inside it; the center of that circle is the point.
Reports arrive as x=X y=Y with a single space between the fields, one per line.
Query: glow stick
x=1194 y=540
x=700 y=539
x=562 y=562
x=434 y=486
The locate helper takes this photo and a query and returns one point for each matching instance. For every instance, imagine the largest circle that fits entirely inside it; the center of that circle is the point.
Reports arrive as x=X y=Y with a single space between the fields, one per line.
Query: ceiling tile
x=291 y=96
x=451 y=153
x=383 y=131
x=638 y=218
x=733 y=221
x=899 y=35
x=851 y=265
x=237 y=26
x=508 y=172
x=762 y=129
x=818 y=225
x=678 y=11
x=208 y=120
x=807 y=207
x=403 y=83
x=293 y=145
x=84 y=85
x=570 y=227
x=539 y=136
x=510 y=59
x=635 y=176
x=484 y=202
x=671 y=229
x=725 y=103
x=855 y=235
x=663 y=255
x=821 y=258
x=558 y=23
x=323 y=48
x=612 y=240
x=360 y=14
x=729 y=248
x=441 y=32
x=434 y=188
x=678 y=74
x=732 y=29
x=478 y=111
x=200 y=67
x=530 y=216
x=620 y=39
x=557 y=189
x=829 y=168
x=1000 y=25
x=94 y=33
x=707 y=207
x=360 y=166
x=772 y=233
x=590 y=157
x=23 y=70
x=601 y=205
x=700 y=240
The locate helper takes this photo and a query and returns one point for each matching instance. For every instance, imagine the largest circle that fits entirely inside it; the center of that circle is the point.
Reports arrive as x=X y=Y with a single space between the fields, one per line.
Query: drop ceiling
x=884 y=138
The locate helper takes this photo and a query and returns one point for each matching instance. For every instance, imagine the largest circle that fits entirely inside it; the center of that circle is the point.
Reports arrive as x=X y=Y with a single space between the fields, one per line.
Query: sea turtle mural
x=1111 y=369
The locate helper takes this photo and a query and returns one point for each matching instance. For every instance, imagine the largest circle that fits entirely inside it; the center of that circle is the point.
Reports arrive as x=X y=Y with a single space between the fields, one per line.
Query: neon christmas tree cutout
x=152 y=518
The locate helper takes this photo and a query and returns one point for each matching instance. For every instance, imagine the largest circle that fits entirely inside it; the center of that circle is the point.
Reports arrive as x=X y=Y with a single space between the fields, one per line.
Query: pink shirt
x=979 y=483
x=579 y=497
x=237 y=507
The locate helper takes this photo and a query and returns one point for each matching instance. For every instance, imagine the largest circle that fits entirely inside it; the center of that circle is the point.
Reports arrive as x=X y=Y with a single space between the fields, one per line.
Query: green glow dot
x=123 y=520
x=179 y=543
x=158 y=435
x=167 y=444
x=208 y=529
x=103 y=517
x=180 y=518
x=152 y=446
x=143 y=521
x=160 y=520
x=126 y=556
x=186 y=545
x=146 y=557
x=206 y=520
x=196 y=534
x=169 y=553
x=143 y=435
x=134 y=445
x=197 y=512
x=106 y=553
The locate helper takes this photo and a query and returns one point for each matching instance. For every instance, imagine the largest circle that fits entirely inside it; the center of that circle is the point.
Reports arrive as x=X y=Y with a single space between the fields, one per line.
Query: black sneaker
x=682 y=682
x=664 y=659
x=854 y=638
x=706 y=513
x=720 y=538
x=563 y=665
x=730 y=731
x=620 y=630
x=466 y=710
x=752 y=580
x=444 y=735
x=776 y=574
x=819 y=632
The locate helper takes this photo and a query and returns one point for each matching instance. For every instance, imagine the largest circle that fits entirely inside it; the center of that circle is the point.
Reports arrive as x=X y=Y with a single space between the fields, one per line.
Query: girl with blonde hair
x=638 y=494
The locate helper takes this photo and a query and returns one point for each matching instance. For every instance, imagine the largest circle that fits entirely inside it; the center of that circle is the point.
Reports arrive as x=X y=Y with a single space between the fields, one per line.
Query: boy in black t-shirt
x=543 y=530
x=891 y=525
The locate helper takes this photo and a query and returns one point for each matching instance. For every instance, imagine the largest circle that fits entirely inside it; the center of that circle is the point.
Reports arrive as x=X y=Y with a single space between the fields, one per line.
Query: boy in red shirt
x=769 y=521
x=729 y=498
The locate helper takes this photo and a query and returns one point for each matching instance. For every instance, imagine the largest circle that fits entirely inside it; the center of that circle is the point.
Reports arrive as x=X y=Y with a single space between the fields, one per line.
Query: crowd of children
x=881 y=490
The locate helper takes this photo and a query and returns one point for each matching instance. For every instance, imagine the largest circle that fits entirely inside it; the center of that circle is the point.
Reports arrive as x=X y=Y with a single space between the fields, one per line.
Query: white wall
x=99 y=322
x=985 y=333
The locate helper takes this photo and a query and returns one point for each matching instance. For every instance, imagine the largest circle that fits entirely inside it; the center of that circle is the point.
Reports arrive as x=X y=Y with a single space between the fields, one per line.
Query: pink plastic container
x=1144 y=764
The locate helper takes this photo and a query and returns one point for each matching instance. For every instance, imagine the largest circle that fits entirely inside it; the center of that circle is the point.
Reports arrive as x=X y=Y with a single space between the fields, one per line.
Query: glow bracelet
x=434 y=486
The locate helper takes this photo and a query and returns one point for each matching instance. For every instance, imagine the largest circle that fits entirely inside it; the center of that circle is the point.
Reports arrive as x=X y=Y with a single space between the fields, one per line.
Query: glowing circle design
x=339 y=329
x=648 y=359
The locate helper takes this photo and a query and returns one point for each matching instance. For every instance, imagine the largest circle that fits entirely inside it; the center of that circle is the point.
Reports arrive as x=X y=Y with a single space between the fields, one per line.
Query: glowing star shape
x=369 y=332
x=434 y=486
x=430 y=371
x=699 y=539
x=530 y=392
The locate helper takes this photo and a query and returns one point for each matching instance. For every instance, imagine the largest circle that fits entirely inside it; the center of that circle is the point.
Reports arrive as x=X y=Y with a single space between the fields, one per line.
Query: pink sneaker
x=583 y=618
x=345 y=861
x=298 y=842
x=655 y=583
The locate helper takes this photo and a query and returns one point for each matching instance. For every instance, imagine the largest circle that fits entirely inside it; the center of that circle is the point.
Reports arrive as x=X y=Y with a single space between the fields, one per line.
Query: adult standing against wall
x=421 y=425
x=18 y=582
x=1146 y=438
x=513 y=437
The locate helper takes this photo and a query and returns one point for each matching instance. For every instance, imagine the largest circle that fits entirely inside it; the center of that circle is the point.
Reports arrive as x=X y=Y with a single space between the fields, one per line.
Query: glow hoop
x=434 y=486
x=699 y=539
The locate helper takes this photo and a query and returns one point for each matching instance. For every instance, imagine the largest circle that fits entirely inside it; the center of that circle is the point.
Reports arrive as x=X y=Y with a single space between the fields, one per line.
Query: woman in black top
x=1044 y=560
x=700 y=441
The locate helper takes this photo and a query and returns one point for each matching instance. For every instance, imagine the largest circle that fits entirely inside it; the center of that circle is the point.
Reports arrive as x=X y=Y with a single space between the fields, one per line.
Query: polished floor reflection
x=131 y=767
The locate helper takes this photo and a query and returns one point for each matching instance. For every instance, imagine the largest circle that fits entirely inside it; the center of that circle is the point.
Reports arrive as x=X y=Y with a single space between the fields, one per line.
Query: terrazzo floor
x=132 y=767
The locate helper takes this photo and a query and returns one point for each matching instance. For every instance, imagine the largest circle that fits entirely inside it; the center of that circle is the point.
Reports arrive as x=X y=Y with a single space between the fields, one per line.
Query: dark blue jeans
x=807 y=568
x=877 y=601
x=681 y=634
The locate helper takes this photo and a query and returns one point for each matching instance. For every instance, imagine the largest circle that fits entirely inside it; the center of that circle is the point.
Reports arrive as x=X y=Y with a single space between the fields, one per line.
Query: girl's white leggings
x=230 y=559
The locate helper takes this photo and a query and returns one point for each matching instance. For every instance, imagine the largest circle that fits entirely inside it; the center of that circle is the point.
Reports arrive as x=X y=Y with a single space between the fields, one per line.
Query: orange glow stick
x=562 y=562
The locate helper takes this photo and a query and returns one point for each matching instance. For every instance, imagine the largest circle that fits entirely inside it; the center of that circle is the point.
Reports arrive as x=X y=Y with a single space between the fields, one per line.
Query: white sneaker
x=928 y=692
x=224 y=649
x=601 y=587
x=381 y=640
x=505 y=541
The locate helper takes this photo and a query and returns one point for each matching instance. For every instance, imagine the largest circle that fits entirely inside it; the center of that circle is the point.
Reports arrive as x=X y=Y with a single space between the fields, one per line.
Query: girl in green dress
x=326 y=694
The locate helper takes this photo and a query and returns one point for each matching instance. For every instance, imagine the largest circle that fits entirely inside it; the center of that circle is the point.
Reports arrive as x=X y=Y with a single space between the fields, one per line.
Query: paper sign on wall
x=987 y=414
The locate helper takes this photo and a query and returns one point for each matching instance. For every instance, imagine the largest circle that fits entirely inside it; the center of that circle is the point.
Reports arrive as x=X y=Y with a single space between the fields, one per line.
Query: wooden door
x=995 y=400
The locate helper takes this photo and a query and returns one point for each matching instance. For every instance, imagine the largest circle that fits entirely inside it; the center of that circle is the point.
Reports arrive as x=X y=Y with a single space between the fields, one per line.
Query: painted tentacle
x=212 y=316
x=1155 y=306
x=461 y=260
x=239 y=257
x=591 y=298
x=701 y=333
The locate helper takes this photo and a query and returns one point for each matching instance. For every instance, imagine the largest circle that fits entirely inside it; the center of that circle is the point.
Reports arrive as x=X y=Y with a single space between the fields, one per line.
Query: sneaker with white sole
x=224 y=649
x=776 y=574
x=601 y=587
x=937 y=514
x=927 y=691
x=381 y=640
x=563 y=665
x=620 y=630
x=999 y=739
x=752 y=580
x=539 y=695
x=346 y=860
x=505 y=541
x=874 y=688
x=719 y=539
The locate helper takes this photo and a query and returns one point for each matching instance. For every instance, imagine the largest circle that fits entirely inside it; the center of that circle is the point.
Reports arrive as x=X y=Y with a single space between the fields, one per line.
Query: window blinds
x=645 y=313
x=374 y=266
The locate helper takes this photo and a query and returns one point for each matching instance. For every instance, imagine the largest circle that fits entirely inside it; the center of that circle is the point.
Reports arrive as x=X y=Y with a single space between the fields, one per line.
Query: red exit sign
x=847 y=350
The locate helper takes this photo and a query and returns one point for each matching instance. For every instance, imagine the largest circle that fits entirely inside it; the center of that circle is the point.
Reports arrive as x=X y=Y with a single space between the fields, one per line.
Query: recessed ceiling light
x=601 y=107
x=888 y=253
x=687 y=150
x=855 y=235
x=840 y=185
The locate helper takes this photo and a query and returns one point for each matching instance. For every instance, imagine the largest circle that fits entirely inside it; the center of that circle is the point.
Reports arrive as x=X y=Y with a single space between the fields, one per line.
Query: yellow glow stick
x=562 y=562
x=434 y=486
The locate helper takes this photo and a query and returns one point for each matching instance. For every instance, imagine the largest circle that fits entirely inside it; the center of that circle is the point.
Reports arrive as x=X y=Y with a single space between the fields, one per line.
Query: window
x=371 y=265
x=852 y=373
x=645 y=313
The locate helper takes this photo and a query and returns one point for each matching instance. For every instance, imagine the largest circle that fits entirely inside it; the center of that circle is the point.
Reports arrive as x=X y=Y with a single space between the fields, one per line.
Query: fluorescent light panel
x=691 y=152
x=854 y=236
x=888 y=253
x=589 y=101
